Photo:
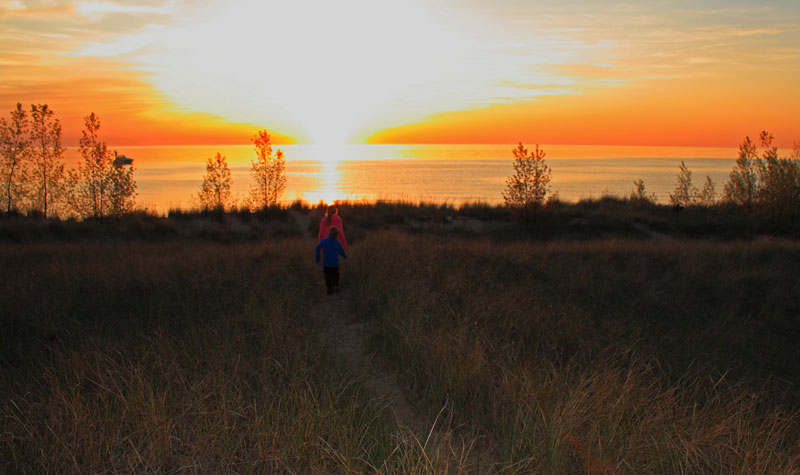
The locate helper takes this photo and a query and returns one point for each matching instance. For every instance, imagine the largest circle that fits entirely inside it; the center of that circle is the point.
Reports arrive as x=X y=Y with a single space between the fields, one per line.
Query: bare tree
x=14 y=155
x=268 y=171
x=215 y=192
x=527 y=188
x=48 y=153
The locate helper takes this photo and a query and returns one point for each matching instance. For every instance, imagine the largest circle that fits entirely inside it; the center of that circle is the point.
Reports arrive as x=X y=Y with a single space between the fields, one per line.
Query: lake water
x=171 y=176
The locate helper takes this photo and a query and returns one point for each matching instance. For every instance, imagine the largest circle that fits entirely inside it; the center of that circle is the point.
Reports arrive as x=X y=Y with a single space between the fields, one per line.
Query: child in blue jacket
x=331 y=250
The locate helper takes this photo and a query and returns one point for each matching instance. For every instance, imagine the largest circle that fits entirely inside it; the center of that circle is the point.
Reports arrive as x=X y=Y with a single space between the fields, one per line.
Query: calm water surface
x=171 y=176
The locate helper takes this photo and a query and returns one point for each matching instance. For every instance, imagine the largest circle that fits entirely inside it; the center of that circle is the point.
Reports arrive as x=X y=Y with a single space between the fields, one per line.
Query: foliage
x=121 y=188
x=779 y=183
x=742 y=186
x=707 y=195
x=48 y=177
x=684 y=193
x=770 y=183
x=268 y=172
x=102 y=186
x=527 y=189
x=215 y=192
x=15 y=153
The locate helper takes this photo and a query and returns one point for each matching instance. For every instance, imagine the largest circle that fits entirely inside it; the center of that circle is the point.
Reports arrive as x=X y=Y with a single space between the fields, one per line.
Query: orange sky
x=378 y=71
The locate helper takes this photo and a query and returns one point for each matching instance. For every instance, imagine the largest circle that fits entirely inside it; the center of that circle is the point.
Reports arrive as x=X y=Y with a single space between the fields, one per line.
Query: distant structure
x=120 y=160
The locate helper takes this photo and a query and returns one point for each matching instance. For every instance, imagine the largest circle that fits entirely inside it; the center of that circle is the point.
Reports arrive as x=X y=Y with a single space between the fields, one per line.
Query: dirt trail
x=343 y=332
x=345 y=336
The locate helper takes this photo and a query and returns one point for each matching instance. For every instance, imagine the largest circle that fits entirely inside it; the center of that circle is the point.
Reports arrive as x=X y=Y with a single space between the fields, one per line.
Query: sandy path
x=341 y=330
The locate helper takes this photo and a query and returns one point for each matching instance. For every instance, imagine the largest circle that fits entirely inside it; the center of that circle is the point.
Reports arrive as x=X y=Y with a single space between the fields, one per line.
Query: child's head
x=333 y=232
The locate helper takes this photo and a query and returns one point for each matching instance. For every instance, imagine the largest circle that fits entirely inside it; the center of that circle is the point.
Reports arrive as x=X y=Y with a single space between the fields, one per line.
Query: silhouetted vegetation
x=268 y=172
x=215 y=191
x=767 y=184
x=48 y=177
x=15 y=153
x=35 y=180
x=101 y=186
x=527 y=189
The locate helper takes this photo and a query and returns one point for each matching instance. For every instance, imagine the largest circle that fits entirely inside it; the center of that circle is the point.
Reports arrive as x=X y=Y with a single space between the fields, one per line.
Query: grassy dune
x=630 y=356
x=158 y=357
x=185 y=345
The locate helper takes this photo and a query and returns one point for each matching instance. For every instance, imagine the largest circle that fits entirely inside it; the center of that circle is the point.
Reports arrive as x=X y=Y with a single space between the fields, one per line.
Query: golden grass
x=603 y=356
x=135 y=357
x=579 y=357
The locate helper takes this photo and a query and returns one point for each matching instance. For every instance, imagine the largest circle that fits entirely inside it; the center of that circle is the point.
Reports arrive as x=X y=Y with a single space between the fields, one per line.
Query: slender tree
x=92 y=180
x=48 y=155
x=268 y=172
x=684 y=194
x=215 y=192
x=103 y=186
x=527 y=188
x=778 y=192
x=639 y=195
x=14 y=155
x=742 y=186
x=707 y=195
x=121 y=187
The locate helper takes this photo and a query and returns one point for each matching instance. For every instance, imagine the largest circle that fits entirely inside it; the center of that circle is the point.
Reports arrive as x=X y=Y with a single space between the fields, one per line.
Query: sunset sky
x=413 y=71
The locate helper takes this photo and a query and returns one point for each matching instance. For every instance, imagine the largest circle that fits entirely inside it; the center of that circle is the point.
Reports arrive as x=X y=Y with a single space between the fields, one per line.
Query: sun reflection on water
x=329 y=158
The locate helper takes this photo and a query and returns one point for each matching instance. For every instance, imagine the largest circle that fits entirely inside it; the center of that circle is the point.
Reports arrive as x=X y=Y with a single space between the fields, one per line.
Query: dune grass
x=162 y=357
x=183 y=344
x=610 y=355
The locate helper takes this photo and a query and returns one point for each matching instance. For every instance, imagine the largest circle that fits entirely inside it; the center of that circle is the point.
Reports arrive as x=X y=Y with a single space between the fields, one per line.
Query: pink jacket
x=335 y=220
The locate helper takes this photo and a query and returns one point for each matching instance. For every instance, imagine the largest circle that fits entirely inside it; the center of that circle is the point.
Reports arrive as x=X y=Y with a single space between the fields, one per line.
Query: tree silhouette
x=121 y=188
x=102 y=186
x=215 y=192
x=707 y=195
x=742 y=186
x=769 y=182
x=527 y=188
x=14 y=153
x=639 y=196
x=684 y=193
x=268 y=171
x=91 y=182
x=48 y=153
x=779 y=183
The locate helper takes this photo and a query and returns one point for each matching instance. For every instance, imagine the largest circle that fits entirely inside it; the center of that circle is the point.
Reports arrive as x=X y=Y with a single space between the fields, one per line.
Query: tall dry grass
x=602 y=356
x=142 y=357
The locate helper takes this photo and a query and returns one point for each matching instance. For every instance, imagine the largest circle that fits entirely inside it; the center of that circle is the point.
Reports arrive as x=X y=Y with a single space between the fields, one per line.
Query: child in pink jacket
x=330 y=220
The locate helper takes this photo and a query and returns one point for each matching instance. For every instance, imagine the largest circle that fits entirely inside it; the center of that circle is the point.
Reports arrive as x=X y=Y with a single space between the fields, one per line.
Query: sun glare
x=335 y=72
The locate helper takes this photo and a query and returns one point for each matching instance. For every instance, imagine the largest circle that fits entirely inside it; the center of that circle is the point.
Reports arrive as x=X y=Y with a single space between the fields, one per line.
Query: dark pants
x=331 y=278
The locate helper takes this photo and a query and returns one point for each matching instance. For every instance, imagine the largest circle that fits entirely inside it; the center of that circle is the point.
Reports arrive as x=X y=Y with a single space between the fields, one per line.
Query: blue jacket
x=331 y=249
